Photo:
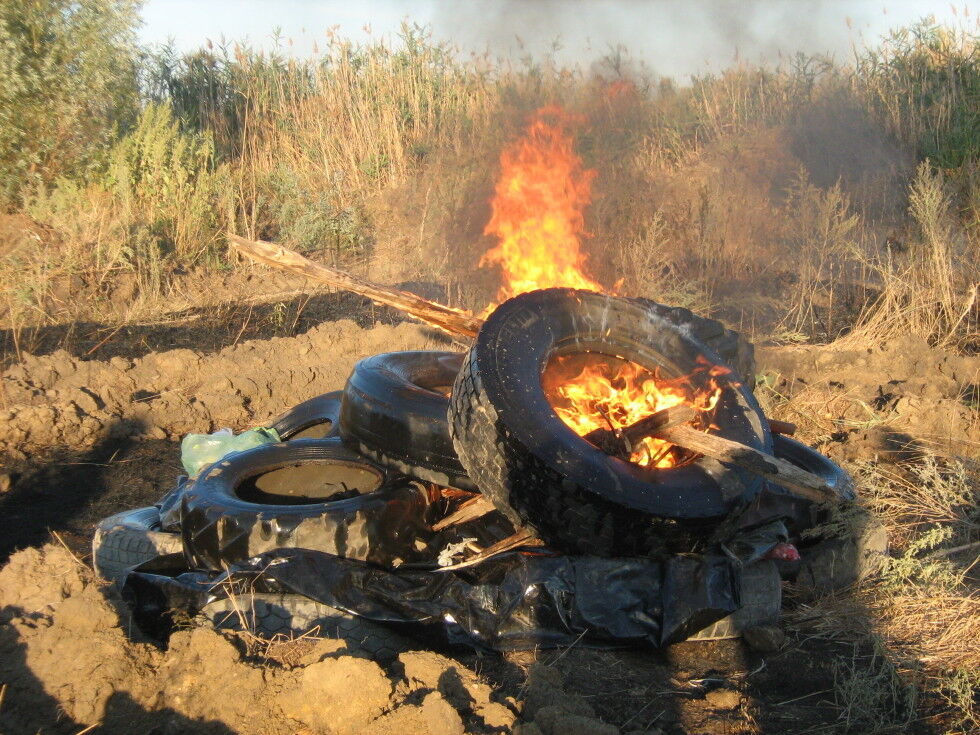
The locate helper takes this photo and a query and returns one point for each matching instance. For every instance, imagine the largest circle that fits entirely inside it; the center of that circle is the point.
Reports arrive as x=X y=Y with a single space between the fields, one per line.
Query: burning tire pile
x=564 y=478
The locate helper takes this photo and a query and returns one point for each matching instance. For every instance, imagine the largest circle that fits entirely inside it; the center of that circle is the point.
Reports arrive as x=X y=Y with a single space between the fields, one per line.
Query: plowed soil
x=84 y=438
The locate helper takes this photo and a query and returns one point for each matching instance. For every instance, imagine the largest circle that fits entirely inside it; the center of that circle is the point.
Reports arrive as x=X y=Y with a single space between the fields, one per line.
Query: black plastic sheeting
x=518 y=600
x=511 y=602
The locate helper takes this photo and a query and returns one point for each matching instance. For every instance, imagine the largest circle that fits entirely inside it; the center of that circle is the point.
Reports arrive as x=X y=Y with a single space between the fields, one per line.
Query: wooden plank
x=671 y=424
x=620 y=443
x=799 y=481
x=469 y=510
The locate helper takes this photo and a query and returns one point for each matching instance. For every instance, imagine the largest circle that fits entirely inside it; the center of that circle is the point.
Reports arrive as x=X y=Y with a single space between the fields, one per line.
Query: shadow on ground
x=68 y=491
x=29 y=709
x=202 y=328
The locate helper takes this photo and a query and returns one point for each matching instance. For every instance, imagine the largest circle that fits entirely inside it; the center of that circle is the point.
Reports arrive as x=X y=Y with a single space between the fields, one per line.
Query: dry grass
x=921 y=614
x=758 y=192
x=931 y=290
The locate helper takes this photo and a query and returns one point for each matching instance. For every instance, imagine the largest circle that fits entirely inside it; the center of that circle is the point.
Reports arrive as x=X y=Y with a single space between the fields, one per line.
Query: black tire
x=269 y=615
x=735 y=351
x=761 y=596
x=808 y=458
x=248 y=503
x=316 y=418
x=395 y=411
x=129 y=539
x=541 y=474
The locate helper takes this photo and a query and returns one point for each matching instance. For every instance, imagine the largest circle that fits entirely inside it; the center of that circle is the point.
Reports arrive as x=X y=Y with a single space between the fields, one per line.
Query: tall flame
x=538 y=210
x=538 y=221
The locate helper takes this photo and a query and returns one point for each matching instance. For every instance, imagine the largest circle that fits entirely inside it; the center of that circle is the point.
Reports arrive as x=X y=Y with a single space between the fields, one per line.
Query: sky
x=672 y=37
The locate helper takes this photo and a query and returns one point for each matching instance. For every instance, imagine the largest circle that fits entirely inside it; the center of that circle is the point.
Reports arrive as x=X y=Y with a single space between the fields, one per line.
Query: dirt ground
x=84 y=437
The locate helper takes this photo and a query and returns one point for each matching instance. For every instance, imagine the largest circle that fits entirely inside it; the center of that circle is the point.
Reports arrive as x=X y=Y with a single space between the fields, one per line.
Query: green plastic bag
x=197 y=451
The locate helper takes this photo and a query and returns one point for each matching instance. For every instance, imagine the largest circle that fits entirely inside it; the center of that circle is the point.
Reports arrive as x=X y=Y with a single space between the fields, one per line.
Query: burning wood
x=594 y=392
x=625 y=409
x=669 y=425
x=802 y=483
x=620 y=442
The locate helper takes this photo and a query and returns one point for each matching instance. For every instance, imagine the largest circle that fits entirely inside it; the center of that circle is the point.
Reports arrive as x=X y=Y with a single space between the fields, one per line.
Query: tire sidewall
x=512 y=350
x=303 y=416
x=391 y=414
x=381 y=526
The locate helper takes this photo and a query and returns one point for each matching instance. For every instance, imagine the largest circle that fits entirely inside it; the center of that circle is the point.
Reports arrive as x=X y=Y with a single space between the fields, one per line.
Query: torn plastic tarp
x=511 y=602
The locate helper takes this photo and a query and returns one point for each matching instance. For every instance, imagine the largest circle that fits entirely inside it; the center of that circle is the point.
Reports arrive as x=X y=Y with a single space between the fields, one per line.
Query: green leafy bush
x=166 y=179
x=924 y=81
x=67 y=85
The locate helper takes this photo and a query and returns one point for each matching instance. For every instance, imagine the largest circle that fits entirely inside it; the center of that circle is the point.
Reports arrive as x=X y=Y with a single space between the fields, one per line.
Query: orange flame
x=538 y=210
x=591 y=391
x=538 y=220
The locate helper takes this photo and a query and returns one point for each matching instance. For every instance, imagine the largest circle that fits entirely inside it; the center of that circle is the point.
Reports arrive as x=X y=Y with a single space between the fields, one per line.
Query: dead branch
x=522 y=538
x=473 y=508
x=454 y=321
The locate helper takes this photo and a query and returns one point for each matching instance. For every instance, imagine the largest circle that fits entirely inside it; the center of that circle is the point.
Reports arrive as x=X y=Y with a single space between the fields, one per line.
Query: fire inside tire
x=540 y=473
x=395 y=405
x=733 y=349
x=306 y=493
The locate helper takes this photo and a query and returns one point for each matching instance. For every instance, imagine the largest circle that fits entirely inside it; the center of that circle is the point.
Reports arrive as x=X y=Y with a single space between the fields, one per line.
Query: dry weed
x=921 y=613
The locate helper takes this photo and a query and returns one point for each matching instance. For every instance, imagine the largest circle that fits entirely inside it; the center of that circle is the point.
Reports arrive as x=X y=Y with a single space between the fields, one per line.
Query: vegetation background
x=802 y=202
x=809 y=202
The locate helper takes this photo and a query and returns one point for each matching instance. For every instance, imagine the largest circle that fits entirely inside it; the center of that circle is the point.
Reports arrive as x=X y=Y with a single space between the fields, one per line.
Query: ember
x=590 y=391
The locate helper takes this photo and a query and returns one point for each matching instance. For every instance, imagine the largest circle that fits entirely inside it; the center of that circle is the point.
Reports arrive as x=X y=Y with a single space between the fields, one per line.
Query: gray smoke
x=672 y=37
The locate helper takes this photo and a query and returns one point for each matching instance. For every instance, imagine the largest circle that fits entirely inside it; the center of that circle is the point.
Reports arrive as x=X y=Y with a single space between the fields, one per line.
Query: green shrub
x=67 y=85
x=166 y=179
x=924 y=82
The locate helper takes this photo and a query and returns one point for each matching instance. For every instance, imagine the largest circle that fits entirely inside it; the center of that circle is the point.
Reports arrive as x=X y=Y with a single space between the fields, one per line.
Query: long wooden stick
x=454 y=321
x=458 y=321
x=671 y=424
x=799 y=481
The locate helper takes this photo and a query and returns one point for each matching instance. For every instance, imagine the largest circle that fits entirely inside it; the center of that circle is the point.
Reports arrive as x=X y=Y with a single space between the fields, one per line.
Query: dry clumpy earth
x=84 y=438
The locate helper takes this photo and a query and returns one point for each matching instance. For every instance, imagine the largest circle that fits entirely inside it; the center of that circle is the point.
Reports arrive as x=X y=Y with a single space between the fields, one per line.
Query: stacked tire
x=309 y=491
x=351 y=475
x=131 y=538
